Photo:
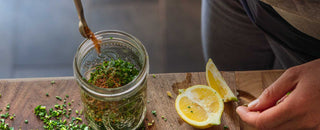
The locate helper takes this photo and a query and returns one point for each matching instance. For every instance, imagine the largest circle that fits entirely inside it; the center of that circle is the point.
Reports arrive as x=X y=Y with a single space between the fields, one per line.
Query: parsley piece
x=154 y=113
x=59 y=98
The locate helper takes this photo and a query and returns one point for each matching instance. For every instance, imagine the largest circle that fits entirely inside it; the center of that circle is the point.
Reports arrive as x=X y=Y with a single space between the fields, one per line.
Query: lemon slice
x=200 y=106
x=216 y=81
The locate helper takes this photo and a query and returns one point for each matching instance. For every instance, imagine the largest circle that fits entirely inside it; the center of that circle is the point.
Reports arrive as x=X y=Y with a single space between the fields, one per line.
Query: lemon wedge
x=216 y=81
x=200 y=106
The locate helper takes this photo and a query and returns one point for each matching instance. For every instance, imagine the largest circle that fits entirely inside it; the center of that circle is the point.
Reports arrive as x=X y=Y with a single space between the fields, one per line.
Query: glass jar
x=113 y=108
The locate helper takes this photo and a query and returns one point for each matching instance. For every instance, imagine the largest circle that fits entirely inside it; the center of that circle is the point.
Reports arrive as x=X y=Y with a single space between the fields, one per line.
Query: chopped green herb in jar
x=113 y=74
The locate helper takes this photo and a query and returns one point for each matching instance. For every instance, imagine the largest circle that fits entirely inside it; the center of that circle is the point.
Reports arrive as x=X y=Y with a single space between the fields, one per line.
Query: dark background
x=39 y=37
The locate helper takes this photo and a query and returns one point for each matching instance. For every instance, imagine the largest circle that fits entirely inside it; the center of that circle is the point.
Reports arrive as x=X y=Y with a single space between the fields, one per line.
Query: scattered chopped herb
x=288 y=93
x=47 y=94
x=8 y=106
x=150 y=124
x=4 y=125
x=0 y=110
x=111 y=37
x=69 y=104
x=77 y=112
x=79 y=119
x=53 y=82
x=169 y=94
x=59 y=98
x=56 y=106
x=154 y=76
x=154 y=113
x=189 y=107
x=67 y=96
x=191 y=111
x=26 y=121
x=225 y=127
x=181 y=91
x=5 y=115
x=0 y=95
x=72 y=101
x=165 y=119
x=148 y=101
x=53 y=119
x=80 y=112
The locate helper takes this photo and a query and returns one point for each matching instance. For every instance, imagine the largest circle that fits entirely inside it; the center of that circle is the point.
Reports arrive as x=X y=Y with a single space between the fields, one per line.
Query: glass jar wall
x=113 y=108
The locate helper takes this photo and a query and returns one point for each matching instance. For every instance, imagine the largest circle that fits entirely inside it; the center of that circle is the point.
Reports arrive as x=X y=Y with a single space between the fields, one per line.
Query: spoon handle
x=79 y=7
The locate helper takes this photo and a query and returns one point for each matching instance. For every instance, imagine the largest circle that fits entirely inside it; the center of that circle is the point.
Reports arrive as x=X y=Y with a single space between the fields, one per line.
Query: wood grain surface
x=25 y=94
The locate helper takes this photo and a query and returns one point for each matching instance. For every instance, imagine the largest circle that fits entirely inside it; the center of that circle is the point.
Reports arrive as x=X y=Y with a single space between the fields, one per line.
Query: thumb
x=269 y=97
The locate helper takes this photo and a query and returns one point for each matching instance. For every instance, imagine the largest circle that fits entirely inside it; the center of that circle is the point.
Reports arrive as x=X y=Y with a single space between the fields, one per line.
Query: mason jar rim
x=112 y=92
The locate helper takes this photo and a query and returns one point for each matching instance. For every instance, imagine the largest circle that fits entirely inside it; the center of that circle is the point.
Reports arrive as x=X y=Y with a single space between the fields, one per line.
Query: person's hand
x=299 y=110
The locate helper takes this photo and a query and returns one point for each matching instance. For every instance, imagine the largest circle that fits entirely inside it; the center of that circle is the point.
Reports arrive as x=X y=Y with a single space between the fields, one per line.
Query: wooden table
x=25 y=94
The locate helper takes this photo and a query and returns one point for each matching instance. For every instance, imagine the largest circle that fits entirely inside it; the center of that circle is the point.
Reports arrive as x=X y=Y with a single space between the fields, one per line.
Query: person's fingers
x=247 y=116
x=269 y=118
x=290 y=124
x=269 y=97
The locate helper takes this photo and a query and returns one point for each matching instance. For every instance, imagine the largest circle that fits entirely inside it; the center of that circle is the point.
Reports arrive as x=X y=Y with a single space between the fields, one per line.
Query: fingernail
x=240 y=110
x=253 y=103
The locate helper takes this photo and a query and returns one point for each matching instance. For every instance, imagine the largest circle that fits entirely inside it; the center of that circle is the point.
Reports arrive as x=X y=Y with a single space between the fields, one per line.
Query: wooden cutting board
x=25 y=94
